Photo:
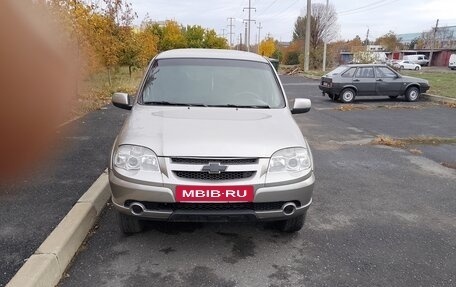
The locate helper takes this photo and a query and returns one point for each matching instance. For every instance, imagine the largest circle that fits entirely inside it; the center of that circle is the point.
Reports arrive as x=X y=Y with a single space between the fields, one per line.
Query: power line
x=372 y=7
x=362 y=7
x=286 y=9
x=269 y=6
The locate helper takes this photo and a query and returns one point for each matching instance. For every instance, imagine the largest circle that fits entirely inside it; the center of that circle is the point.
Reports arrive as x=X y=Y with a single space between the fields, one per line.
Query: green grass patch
x=442 y=83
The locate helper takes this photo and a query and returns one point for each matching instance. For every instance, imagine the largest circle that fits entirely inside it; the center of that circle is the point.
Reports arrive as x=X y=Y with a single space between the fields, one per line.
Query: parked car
x=452 y=62
x=211 y=137
x=407 y=65
x=350 y=81
x=417 y=59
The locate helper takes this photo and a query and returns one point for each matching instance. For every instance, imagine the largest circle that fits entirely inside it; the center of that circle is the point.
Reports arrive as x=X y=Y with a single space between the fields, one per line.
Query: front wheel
x=293 y=224
x=417 y=68
x=129 y=224
x=347 y=95
x=412 y=94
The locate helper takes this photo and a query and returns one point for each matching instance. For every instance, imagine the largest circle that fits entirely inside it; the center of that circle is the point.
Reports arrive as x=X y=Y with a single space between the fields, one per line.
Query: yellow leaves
x=173 y=37
x=267 y=47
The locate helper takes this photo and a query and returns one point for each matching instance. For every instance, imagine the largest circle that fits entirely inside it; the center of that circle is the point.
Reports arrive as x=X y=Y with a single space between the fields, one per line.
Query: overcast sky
x=278 y=16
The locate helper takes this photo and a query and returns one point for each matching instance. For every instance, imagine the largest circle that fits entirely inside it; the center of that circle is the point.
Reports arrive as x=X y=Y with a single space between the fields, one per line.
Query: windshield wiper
x=242 y=106
x=165 y=103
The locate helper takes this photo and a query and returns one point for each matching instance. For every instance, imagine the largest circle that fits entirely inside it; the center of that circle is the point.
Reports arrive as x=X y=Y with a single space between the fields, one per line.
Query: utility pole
x=324 y=45
x=240 y=41
x=259 y=37
x=433 y=42
x=223 y=32
x=231 y=25
x=307 y=38
x=245 y=36
x=367 y=38
x=250 y=8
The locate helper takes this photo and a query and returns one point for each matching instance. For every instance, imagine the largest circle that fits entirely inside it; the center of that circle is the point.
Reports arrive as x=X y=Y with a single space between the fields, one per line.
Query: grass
x=405 y=142
x=95 y=91
x=442 y=83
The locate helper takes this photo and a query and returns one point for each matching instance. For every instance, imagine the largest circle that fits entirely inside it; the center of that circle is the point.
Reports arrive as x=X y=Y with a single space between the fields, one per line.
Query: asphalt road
x=32 y=206
x=381 y=216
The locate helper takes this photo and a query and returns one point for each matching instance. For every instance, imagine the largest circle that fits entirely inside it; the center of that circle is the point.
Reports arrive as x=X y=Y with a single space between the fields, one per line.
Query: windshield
x=212 y=82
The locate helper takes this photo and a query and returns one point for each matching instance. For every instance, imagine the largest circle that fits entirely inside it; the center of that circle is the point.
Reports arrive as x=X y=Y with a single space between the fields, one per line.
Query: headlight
x=135 y=158
x=290 y=160
x=289 y=163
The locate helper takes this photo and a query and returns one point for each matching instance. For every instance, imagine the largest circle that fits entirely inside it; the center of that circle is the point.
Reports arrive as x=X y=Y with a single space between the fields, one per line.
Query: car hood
x=211 y=132
x=414 y=80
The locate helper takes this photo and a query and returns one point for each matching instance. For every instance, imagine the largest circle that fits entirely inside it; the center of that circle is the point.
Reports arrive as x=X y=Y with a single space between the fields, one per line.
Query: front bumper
x=125 y=192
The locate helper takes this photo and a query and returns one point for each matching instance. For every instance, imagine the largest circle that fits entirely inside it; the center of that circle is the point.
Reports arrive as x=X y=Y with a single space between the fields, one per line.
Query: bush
x=291 y=58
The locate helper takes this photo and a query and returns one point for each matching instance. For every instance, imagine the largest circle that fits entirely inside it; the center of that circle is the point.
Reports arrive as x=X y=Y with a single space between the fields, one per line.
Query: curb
x=438 y=99
x=47 y=265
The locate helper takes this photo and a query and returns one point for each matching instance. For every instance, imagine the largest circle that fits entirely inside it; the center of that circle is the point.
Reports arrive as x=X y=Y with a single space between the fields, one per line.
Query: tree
x=323 y=25
x=172 y=37
x=267 y=47
x=195 y=36
x=389 y=41
x=211 y=40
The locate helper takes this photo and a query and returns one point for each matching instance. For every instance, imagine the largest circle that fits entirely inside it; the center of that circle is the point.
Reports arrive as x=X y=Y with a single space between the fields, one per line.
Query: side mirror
x=121 y=100
x=301 y=106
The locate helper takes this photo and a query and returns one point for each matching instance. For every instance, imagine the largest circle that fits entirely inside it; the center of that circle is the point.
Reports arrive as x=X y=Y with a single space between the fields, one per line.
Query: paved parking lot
x=381 y=216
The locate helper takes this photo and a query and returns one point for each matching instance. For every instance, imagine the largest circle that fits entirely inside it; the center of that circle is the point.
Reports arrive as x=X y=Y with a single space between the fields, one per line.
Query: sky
x=277 y=17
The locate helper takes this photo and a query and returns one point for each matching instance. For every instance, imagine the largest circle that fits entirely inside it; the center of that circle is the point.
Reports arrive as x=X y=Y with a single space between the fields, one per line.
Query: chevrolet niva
x=211 y=137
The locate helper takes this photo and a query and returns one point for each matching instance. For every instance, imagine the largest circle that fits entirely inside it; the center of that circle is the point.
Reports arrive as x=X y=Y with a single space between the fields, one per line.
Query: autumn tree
x=172 y=37
x=389 y=41
x=267 y=47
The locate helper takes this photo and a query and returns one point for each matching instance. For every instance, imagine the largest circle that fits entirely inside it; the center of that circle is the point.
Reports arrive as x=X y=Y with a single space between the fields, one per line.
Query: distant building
x=445 y=37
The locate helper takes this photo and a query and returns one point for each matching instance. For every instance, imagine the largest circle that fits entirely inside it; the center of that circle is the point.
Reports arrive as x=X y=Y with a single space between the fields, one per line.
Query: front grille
x=225 y=161
x=259 y=206
x=227 y=175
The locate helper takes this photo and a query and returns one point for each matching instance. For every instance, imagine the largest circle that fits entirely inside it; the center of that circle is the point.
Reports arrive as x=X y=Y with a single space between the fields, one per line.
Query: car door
x=364 y=81
x=388 y=82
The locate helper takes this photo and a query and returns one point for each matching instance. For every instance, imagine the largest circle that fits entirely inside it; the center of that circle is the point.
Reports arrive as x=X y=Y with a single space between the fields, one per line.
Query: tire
x=347 y=95
x=292 y=225
x=412 y=94
x=417 y=68
x=401 y=67
x=393 y=97
x=129 y=224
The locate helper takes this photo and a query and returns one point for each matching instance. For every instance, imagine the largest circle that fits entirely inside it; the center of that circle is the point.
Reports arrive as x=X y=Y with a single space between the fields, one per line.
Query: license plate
x=238 y=193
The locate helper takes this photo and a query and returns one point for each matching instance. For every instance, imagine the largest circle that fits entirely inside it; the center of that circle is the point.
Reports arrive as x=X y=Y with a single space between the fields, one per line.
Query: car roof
x=211 y=54
x=366 y=65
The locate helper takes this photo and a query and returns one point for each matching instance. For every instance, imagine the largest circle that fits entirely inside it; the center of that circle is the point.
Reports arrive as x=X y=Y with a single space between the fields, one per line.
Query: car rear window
x=212 y=82
x=337 y=71
x=349 y=73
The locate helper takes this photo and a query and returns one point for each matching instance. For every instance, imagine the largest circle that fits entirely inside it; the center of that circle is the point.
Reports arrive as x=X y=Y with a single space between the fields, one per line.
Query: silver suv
x=211 y=137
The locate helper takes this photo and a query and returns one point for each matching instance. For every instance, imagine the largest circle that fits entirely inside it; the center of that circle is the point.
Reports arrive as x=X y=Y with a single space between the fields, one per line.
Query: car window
x=384 y=72
x=337 y=70
x=349 y=73
x=365 y=72
x=212 y=82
